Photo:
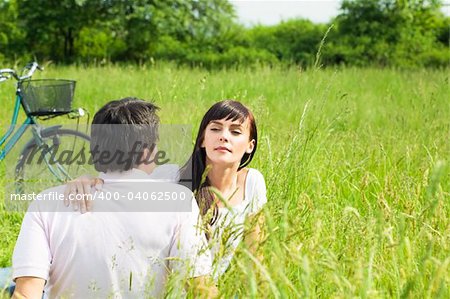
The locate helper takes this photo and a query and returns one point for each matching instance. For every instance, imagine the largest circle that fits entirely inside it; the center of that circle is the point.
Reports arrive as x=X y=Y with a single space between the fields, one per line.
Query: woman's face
x=226 y=141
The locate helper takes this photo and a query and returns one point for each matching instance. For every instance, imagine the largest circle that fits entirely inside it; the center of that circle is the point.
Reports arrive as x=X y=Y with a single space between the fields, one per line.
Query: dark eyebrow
x=239 y=126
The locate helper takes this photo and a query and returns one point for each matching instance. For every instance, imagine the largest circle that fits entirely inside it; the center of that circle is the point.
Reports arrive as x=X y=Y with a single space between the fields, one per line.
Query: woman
x=230 y=195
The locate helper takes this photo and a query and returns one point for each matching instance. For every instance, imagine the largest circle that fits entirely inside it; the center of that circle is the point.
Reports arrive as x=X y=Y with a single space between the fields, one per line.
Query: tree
x=293 y=41
x=52 y=27
x=202 y=25
x=11 y=37
x=385 y=32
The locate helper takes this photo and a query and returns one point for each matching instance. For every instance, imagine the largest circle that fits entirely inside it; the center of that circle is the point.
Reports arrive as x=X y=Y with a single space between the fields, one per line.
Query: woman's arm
x=255 y=222
x=254 y=234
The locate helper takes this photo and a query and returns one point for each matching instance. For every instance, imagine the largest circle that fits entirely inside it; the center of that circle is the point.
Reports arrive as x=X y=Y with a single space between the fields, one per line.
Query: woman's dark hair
x=121 y=131
x=196 y=166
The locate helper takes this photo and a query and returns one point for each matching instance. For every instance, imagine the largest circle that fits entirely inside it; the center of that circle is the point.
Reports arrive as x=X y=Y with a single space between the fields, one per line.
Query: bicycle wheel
x=64 y=154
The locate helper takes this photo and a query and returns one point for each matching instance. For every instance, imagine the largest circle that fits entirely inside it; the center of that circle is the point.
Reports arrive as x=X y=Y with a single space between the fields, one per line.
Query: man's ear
x=251 y=147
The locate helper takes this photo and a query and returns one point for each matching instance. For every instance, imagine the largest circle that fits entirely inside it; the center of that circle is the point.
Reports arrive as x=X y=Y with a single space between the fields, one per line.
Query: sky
x=270 y=12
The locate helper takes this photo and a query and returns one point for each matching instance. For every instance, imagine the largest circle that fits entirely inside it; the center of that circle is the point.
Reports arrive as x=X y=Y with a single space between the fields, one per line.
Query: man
x=109 y=253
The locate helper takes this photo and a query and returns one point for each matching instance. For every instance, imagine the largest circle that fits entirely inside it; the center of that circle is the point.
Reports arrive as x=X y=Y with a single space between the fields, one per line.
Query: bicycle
x=43 y=99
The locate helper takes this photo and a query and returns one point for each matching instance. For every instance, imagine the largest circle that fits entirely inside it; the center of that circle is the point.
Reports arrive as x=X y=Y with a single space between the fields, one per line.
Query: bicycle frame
x=4 y=75
x=20 y=131
x=13 y=134
x=56 y=169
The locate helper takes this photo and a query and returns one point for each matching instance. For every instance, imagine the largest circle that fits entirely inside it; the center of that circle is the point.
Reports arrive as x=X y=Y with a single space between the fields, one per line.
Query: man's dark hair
x=120 y=132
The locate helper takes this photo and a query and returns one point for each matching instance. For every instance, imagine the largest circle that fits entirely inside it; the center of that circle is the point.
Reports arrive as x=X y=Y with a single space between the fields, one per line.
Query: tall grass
x=356 y=163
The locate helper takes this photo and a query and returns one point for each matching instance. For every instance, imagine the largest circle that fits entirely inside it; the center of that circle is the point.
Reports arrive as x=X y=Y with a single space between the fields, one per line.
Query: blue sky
x=272 y=12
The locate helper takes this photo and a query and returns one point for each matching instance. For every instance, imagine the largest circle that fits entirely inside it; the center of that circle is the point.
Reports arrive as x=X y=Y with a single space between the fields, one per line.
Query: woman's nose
x=224 y=136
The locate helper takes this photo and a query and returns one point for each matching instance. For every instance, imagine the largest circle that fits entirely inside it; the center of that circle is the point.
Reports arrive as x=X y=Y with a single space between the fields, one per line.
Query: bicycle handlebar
x=5 y=74
x=32 y=67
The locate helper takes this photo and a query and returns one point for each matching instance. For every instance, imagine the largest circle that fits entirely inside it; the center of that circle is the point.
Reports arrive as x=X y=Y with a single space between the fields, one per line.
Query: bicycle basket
x=47 y=96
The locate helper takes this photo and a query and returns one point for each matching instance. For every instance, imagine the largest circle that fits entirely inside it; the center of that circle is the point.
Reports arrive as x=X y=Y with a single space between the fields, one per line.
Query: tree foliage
x=389 y=32
x=11 y=35
x=66 y=29
x=294 y=41
x=206 y=32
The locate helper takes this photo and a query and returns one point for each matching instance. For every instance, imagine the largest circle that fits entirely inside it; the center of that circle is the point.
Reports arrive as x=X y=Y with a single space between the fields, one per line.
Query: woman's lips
x=222 y=149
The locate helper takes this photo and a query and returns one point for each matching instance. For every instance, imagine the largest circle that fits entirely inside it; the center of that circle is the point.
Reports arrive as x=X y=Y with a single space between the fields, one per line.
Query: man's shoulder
x=166 y=172
x=48 y=200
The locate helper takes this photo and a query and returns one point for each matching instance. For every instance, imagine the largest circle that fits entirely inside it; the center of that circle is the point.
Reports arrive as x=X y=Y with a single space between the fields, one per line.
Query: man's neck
x=147 y=168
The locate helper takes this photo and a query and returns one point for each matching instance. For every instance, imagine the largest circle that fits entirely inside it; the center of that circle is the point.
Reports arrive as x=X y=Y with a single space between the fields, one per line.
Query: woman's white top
x=228 y=230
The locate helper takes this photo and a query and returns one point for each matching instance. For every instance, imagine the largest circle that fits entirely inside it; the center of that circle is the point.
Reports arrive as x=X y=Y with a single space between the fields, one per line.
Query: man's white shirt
x=109 y=254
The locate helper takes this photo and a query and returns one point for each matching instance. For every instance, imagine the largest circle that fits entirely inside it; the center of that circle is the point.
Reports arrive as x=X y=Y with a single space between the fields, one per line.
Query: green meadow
x=356 y=163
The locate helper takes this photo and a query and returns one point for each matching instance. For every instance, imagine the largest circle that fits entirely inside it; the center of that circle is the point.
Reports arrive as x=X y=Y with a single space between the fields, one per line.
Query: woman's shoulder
x=255 y=183
x=254 y=175
x=255 y=191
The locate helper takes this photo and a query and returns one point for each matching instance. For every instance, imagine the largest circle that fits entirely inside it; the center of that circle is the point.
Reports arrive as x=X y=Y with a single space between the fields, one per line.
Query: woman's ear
x=251 y=147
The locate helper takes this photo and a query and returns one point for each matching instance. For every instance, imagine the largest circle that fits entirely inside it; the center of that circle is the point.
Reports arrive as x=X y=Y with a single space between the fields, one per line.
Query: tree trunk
x=68 y=44
x=71 y=42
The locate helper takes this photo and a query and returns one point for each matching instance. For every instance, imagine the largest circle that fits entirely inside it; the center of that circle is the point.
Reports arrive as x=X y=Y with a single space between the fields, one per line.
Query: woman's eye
x=236 y=132
x=214 y=129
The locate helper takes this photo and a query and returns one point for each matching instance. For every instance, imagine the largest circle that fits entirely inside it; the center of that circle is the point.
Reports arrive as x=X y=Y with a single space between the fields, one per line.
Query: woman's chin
x=224 y=161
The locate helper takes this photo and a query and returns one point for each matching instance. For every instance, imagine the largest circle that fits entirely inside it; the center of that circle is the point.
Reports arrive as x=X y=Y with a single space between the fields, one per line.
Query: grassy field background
x=356 y=163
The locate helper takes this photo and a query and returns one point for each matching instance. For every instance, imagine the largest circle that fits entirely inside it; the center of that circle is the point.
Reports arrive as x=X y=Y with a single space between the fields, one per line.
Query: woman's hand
x=77 y=192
